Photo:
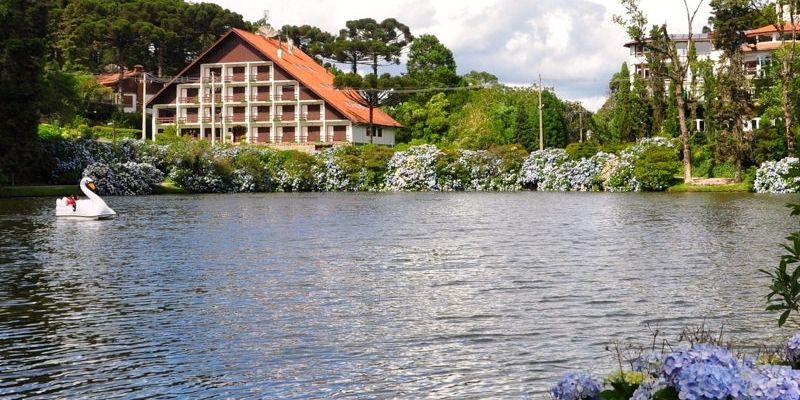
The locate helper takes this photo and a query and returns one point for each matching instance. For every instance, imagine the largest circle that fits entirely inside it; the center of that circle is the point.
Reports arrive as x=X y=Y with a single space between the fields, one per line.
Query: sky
x=573 y=44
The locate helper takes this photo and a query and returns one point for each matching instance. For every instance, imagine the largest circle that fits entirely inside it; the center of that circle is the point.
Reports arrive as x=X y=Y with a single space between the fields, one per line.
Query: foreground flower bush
x=773 y=177
x=699 y=372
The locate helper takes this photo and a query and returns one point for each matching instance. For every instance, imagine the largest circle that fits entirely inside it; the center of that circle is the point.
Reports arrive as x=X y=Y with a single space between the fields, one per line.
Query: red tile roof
x=111 y=79
x=771 y=29
x=305 y=70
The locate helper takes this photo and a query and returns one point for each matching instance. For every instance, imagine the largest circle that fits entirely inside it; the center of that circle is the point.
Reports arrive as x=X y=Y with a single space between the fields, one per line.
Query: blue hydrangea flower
x=707 y=381
x=648 y=363
x=675 y=362
x=646 y=390
x=793 y=348
x=577 y=386
x=772 y=382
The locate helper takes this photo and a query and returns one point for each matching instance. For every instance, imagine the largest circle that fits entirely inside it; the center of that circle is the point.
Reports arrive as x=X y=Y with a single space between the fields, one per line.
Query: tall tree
x=365 y=41
x=661 y=42
x=430 y=63
x=23 y=29
x=311 y=40
x=731 y=103
x=784 y=22
x=631 y=116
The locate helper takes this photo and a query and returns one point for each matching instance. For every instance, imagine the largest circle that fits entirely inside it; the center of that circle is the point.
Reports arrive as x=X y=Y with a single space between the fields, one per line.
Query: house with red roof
x=249 y=88
x=127 y=87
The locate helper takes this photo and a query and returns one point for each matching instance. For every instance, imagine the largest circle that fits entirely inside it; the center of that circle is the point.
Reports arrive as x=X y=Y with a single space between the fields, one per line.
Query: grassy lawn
x=732 y=187
x=65 y=190
x=39 y=191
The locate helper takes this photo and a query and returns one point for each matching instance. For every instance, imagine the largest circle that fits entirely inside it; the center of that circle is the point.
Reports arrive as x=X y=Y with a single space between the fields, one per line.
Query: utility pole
x=144 y=105
x=213 y=112
x=580 y=120
x=541 y=130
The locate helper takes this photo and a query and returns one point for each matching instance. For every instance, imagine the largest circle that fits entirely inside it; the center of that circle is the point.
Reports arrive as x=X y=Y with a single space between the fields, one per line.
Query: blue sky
x=572 y=43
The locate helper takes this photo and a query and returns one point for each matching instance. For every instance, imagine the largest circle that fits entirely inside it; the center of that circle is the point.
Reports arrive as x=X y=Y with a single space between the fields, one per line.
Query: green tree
x=431 y=64
x=311 y=40
x=22 y=52
x=661 y=42
x=731 y=102
x=428 y=122
x=365 y=41
x=631 y=115
x=479 y=78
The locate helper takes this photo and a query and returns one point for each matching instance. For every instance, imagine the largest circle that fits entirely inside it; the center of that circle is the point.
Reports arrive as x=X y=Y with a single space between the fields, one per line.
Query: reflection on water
x=367 y=295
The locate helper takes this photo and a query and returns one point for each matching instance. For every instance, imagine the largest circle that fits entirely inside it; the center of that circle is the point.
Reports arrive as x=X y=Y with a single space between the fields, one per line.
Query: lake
x=359 y=295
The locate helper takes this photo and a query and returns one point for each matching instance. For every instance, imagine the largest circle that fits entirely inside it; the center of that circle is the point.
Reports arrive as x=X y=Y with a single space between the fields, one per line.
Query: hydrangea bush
x=700 y=372
x=198 y=166
x=124 y=179
x=577 y=386
x=773 y=177
x=413 y=169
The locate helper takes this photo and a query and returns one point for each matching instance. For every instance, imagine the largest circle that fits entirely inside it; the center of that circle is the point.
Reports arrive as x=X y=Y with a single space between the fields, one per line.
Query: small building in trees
x=252 y=88
x=127 y=87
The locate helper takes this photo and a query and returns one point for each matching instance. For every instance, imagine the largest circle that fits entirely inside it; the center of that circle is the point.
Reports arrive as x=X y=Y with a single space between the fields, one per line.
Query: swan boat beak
x=91 y=186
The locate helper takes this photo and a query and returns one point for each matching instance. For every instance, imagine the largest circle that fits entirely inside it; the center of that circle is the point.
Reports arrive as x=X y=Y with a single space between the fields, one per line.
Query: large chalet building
x=249 y=88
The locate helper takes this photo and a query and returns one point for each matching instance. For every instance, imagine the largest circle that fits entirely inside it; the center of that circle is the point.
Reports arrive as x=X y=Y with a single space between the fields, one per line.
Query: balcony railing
x=217 y=99
x=237 y=98
x=259 y=77
x=235 y=78
x=261 y=97
x=166 y=120
x=189 y=99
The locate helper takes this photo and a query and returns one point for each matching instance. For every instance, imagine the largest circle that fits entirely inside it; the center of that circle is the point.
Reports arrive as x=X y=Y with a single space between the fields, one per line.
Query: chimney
x=280 y=52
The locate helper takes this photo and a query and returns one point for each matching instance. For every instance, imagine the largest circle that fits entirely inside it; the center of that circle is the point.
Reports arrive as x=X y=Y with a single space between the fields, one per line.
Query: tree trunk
x=375 y=64
x=737 y=176
x=160 y=61
x=687 y=151
x=787 y=112
x=371 y=128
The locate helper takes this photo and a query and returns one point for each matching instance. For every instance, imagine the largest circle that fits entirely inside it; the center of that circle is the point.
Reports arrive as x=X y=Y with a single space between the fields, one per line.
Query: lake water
x=436 y=295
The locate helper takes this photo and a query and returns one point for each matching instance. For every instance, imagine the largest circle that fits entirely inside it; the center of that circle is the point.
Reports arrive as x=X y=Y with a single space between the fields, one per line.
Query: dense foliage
x=128 y=166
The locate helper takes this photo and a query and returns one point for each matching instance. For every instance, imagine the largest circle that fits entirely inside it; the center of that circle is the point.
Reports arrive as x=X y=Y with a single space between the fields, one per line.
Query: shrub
x=576 y=151
x=655 y=168
x=124 y=179
x=413 y=169
x=774 y=177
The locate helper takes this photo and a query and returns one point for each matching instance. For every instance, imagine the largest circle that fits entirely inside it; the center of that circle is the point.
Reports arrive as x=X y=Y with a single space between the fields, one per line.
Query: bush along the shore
x=699 y=372
x=199 y=167
x=776 y=177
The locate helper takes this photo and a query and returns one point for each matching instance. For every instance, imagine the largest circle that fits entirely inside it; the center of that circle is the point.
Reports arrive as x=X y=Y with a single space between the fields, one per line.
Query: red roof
x=111 y=78
x=764 y=30
x=305 y=70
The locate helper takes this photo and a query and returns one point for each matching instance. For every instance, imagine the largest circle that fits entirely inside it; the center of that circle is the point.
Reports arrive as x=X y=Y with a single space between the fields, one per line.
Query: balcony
x=260 y=77
x=189 y=100
x=192 y=119
x=236 y=78
x=217 y=99
x=260 y=118
x=166 y=120
x=236 y=98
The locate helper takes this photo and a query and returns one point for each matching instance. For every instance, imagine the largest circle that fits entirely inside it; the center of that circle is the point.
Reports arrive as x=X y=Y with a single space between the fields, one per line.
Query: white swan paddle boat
x=91 y=208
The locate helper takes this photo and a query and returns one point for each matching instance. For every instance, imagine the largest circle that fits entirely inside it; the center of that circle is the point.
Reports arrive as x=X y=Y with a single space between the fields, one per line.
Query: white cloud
x=573 y=44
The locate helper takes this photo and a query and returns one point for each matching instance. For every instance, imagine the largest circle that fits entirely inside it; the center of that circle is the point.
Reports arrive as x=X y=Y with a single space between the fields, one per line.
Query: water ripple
x=435 y=295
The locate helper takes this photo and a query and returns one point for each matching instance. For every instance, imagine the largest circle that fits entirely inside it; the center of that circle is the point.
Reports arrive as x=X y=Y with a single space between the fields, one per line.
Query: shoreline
x=22 y=191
